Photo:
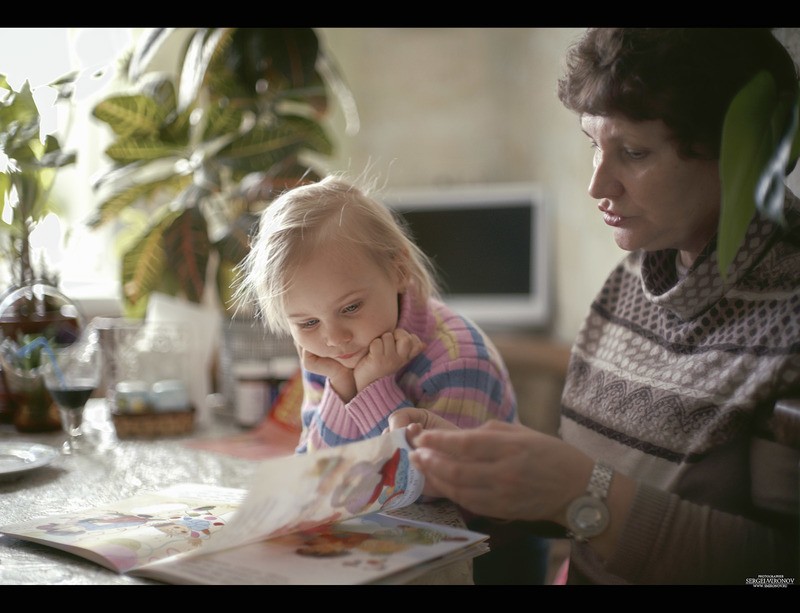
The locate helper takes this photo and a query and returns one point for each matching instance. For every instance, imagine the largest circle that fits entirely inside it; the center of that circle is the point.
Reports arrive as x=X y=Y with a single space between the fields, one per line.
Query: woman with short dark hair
x=660 y=473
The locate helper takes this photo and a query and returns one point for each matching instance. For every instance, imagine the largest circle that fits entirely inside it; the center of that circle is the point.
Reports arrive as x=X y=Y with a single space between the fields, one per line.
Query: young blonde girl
x=335 y=269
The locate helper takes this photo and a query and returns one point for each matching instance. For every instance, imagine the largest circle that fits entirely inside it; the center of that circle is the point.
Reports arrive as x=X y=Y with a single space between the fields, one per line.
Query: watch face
x=587 y=516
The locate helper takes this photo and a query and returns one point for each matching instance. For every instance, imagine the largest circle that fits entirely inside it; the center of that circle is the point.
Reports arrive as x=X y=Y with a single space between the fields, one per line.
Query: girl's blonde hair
x=329 y=213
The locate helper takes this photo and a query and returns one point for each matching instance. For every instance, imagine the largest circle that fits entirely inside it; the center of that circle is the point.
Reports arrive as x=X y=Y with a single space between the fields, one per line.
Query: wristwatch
x=587 y=515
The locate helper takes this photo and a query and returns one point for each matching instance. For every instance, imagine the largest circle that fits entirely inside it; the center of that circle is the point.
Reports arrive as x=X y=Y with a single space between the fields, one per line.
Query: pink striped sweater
x=460 y=376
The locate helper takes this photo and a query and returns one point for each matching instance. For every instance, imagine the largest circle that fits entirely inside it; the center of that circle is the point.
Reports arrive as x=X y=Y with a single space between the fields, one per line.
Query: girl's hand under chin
x=341 y=378
x=387 y=354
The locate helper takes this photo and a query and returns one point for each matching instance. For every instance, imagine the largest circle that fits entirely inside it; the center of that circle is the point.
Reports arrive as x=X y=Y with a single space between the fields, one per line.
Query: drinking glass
x=71 y=374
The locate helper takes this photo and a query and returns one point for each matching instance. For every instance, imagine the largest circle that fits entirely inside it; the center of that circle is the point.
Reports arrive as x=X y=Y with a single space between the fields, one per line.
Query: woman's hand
x=416 y=420
x=500 y=470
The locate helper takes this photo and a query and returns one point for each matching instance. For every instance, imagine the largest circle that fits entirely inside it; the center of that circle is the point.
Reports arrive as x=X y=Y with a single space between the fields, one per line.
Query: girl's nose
x=337 y=335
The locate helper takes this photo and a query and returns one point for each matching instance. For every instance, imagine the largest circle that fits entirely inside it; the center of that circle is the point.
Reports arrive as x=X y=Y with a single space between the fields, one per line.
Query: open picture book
x=328 y=517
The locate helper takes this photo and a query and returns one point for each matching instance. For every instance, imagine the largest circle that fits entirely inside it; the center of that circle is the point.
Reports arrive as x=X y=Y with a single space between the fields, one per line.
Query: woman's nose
x=604 y=183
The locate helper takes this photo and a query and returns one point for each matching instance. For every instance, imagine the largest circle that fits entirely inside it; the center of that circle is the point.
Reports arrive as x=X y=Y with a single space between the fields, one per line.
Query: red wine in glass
x=72 y=397
x=71 y=375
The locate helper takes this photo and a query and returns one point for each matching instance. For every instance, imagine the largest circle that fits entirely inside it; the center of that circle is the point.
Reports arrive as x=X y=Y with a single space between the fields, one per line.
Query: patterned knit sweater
x=667 y=382
x=459 y=375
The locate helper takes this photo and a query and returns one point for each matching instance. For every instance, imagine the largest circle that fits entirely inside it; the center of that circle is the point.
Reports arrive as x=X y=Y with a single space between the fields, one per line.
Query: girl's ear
x=402 y=270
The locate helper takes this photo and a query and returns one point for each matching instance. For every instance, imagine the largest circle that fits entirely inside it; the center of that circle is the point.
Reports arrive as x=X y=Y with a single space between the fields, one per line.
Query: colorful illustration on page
x=367 y=545
x=131 y=537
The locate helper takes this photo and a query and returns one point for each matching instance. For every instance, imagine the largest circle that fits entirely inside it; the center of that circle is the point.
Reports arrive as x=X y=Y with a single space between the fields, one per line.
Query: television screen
x=489 y=245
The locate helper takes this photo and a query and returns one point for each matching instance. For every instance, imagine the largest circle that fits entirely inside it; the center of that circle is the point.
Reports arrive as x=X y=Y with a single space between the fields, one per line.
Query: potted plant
x=31 y=305
x=760 y=143
x=197 y=156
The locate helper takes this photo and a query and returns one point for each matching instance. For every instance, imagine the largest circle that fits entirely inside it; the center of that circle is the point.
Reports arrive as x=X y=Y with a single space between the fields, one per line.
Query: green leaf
x=178 y=129
x=145 y=263
x=222 y=120
x=146 y=49
x=122 y=176
x=55 y=157
x=130 y=115
x=31 y=171
x=133 y=149
x=110 y=208
x=186 y=240
x=20 y=106
x=161 y=90
x=265 y=146
x=202 y=49
x=747 y=145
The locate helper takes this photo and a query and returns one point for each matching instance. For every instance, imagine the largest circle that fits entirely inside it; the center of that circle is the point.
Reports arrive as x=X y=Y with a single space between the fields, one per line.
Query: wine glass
x=71 y=374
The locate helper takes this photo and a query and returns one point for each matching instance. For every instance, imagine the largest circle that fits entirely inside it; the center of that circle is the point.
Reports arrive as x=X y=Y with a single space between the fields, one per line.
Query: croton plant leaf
x=248 y=103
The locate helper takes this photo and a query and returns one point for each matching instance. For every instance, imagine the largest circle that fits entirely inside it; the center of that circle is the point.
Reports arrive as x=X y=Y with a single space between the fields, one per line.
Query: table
x=121 y=469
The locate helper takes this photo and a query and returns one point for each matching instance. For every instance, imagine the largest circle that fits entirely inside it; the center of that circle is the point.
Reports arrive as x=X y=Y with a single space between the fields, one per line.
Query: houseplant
x=201 y=153
x=31 y=304
x=28 y=166
x=760 y=142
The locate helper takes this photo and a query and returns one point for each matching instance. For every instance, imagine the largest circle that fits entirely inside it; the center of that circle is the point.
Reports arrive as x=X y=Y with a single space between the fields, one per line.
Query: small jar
x=132 y=397
x=252 y=393
x=169 y=395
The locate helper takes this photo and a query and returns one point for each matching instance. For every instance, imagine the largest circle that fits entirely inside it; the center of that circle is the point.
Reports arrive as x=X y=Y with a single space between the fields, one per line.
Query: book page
x=302 y=491
x=375 y=548
x=130 y=533
x=286 y=494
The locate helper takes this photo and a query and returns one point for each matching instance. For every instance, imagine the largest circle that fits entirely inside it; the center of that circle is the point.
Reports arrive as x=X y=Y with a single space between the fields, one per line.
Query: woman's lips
x=610 y=218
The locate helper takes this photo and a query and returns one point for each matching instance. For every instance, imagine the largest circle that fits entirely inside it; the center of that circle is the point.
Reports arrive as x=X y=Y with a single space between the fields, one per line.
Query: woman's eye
x=635 y=154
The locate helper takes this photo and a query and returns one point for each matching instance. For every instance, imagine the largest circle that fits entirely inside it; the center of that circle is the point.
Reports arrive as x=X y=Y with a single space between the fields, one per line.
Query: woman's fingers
x=423 y=417
x=473 y=485
x=488 y=442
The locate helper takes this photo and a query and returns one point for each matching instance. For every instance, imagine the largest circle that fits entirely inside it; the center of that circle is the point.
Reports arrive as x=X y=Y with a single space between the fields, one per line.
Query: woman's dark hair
x=686 y=77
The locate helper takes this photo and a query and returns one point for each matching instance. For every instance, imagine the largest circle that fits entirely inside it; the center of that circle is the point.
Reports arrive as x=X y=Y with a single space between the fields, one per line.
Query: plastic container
x=253 y=392
x=131 y=397
x=169 y=395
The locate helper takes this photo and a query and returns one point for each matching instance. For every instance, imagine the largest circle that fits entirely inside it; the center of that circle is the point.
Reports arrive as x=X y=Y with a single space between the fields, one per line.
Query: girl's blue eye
x=351 y=308
x=307 y=324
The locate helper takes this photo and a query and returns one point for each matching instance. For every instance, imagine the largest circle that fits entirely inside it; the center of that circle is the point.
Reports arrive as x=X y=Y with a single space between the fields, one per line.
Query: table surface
x=119 y=469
